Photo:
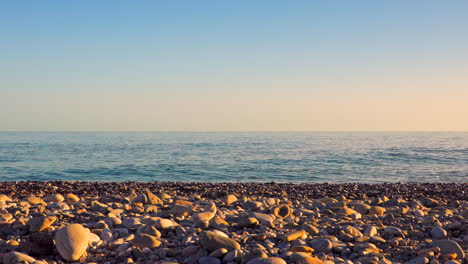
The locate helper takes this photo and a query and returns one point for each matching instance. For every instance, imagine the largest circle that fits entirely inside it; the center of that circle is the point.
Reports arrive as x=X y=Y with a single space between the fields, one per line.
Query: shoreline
x=247 y=223
x=408 y=190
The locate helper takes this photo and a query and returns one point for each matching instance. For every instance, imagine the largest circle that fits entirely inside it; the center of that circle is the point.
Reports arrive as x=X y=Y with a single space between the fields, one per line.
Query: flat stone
x=294 y=235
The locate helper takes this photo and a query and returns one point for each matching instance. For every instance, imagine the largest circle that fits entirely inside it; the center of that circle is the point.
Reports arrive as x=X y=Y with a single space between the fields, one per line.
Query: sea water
x=333 y=157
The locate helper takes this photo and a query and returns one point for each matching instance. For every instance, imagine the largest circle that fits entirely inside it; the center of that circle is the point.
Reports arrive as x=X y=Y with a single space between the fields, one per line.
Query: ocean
x=334 y=157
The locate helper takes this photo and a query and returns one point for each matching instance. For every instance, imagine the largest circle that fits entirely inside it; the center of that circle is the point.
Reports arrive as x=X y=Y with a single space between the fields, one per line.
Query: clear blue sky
x=234 y=65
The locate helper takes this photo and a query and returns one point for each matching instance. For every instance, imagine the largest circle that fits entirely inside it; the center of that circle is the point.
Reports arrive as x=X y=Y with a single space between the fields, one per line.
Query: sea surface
x=333 y=157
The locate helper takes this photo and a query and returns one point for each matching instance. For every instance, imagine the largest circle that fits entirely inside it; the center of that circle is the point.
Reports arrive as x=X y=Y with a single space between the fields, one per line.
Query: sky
x=234 y=65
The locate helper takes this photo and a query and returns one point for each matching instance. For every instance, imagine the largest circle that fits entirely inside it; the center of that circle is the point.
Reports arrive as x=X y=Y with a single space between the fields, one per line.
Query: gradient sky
x=233 y=65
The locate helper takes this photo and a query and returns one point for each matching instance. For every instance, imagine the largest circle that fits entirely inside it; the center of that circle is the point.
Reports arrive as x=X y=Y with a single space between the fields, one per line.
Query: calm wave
x=215 y=157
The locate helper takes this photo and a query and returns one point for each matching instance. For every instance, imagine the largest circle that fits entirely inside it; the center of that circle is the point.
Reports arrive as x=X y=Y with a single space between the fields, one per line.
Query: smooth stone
x=294 y=235
x=266 y=219
x=59 y=206
x=4 y=198
x=72 y=198
x=247 y=222
x=71 y=242
x=203 y=216
x=321 y=245
x=270 y=260
x=253 y=254
x=438 y=232
x=304 y=249
x=164 y=223
x=54 y=198
x=209 y=260
x=377 y=210
x=370 y=231
x=93 y=238
x=312 y=260
x=347 y=211
x=449 y=246
x=145 y=240
x=212 y=241
x=394 y=231
x=33 y=200
x=230 y=199
x=130 y=222
x=17 y=257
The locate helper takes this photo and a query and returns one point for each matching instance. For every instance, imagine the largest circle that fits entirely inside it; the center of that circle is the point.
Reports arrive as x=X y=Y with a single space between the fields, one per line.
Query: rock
x=71 y=242
x=145 y=240
x=311 y=260
x=16 y=257
x=54 y=198
x=429 y=202
x=352 y=231
x=38 y=224
x=347 y=211
x=72 y=198
x=282 y=212
x=247 y=222
x=377 y=210
x=393 y=231
x=33 y=200
x=449 y=246
x=212 y=241
x=438 y=232
x=59 y=206
x=4 y=198
x=153 y=199
x=107 y=235
x=370 y=231
x=253 y=254
x=270 y=260
x=294 y=235
x=321 y=245
x=312 y=230
x=304 y=249
x=265 y=219
x=164 y=223
x=93 y=238
x=230 y=199
x=130 y=222
x=202 y=216
x=209 y=260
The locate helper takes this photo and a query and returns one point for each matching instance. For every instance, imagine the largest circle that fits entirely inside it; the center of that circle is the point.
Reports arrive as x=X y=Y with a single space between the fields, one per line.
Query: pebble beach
x=246 y=223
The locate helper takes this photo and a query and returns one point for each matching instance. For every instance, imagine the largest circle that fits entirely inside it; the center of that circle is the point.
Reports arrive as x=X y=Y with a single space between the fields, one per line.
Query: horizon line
x=227 y=131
